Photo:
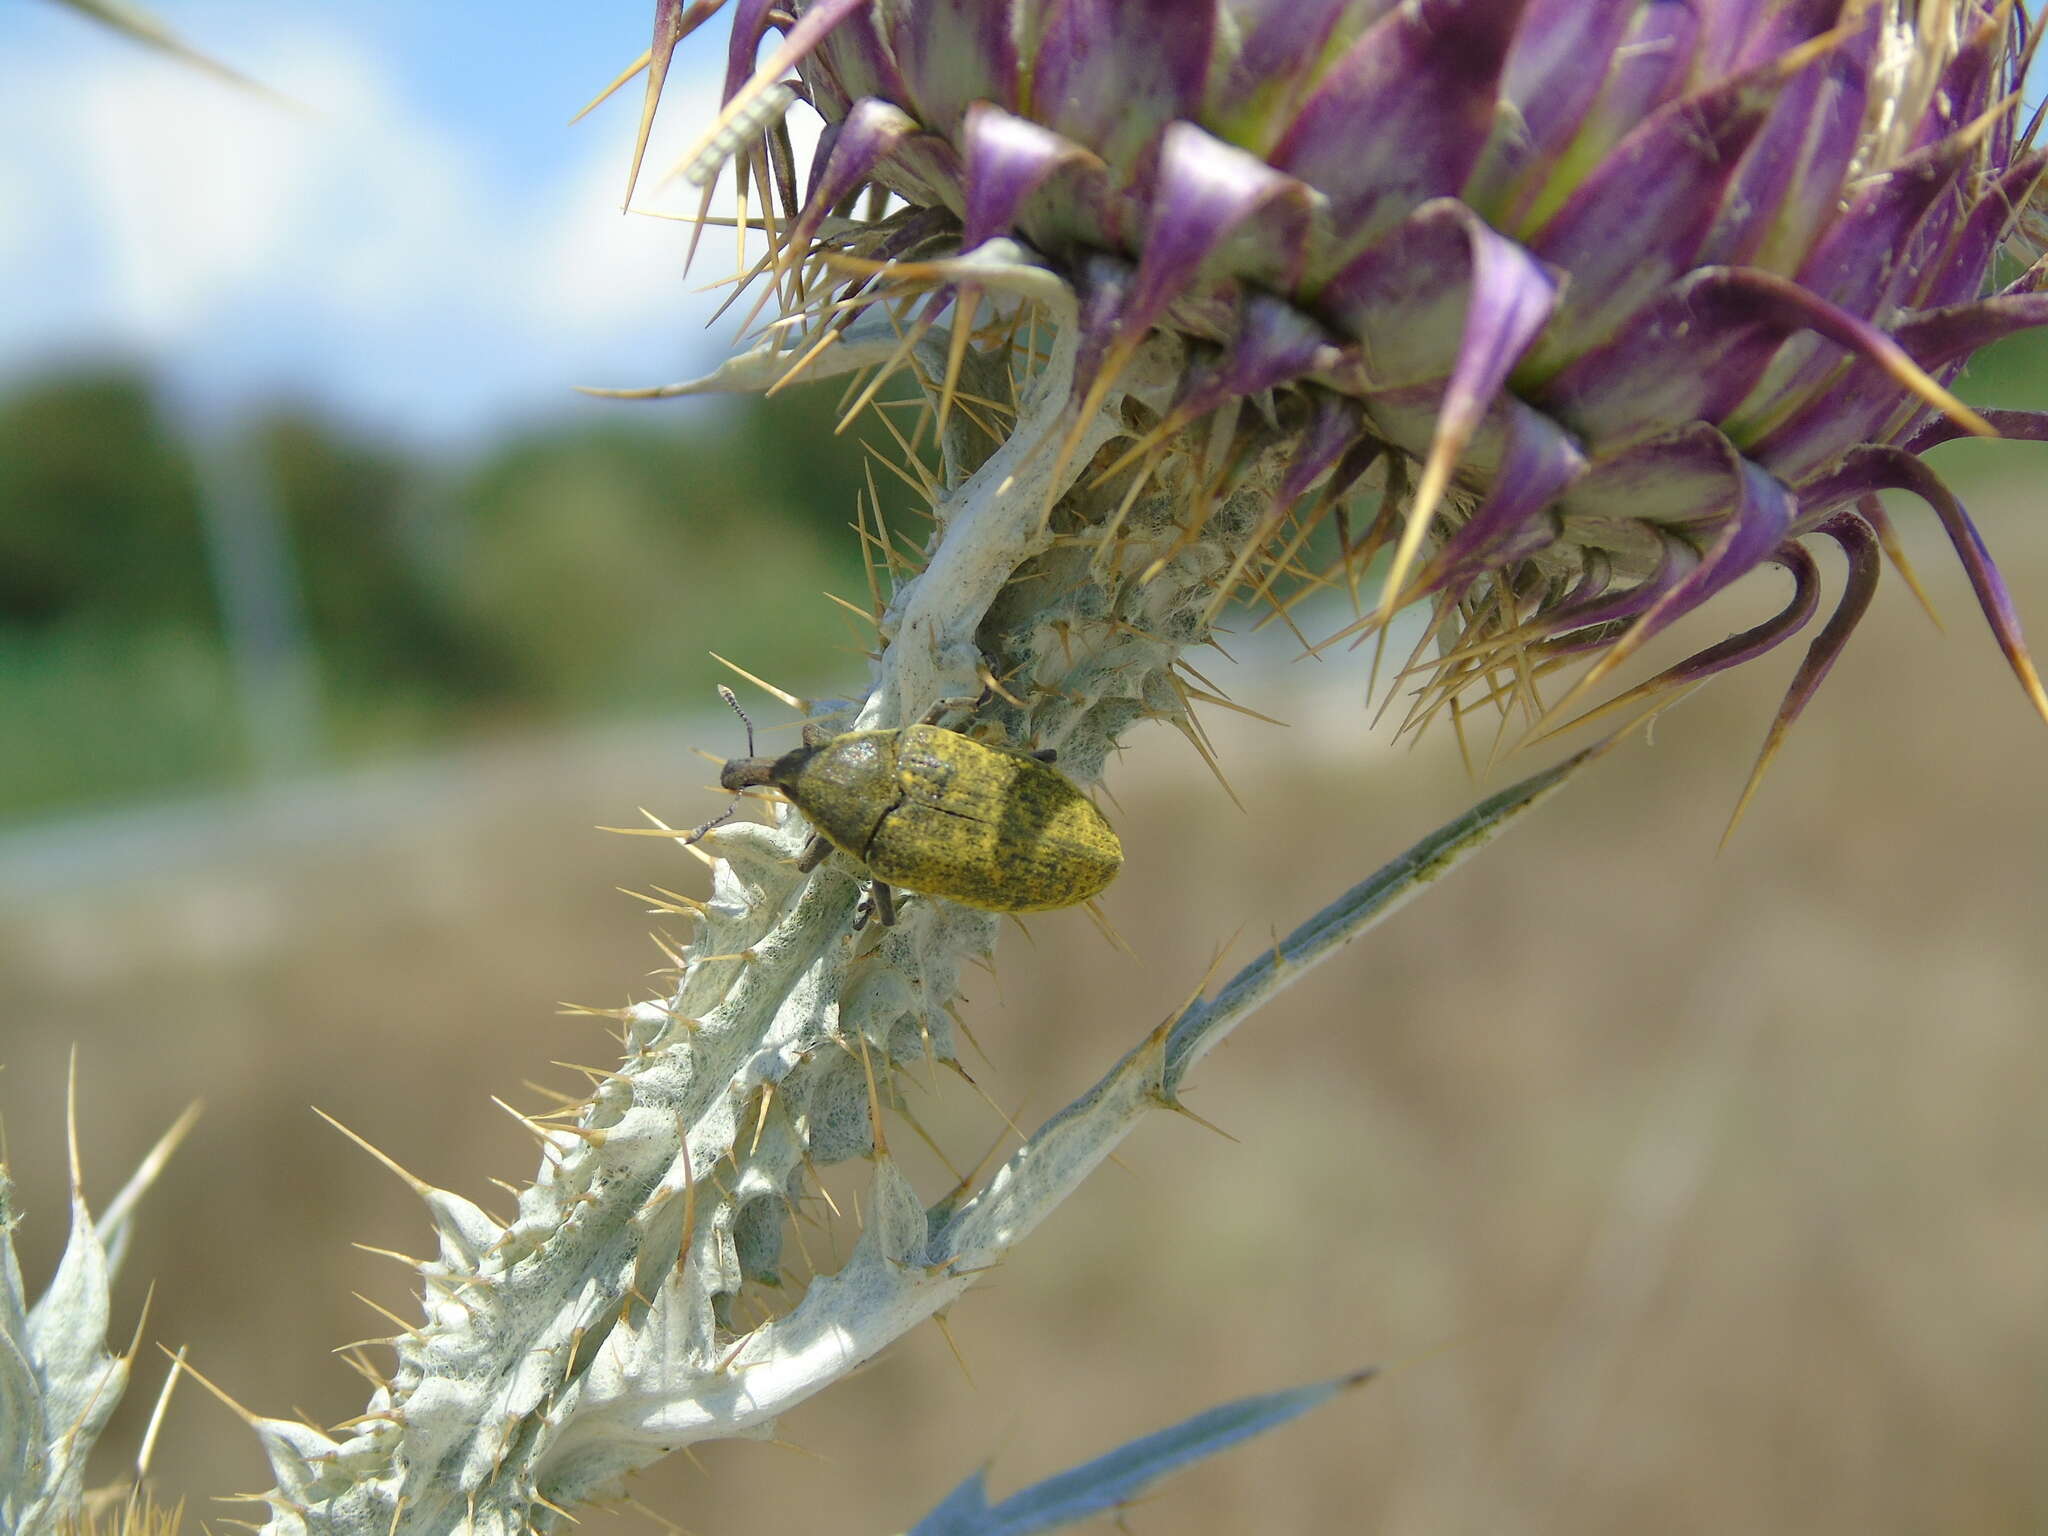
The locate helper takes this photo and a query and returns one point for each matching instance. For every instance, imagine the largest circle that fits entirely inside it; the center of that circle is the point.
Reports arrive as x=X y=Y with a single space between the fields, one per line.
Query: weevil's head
x=750 y=772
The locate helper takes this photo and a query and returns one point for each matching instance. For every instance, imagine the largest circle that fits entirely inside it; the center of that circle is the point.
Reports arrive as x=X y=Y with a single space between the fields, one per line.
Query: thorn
x=189 y=1369
x=855 y=609
x=1107 y=929
x=1182 y=724
x=545 y=1134
x=410 y=1330
x=149 y=1168
x=801 y=705
x=1202 y=696
x=418 y=1185
x=824 y=1194
x=147 y=1453
x=994 y=685
x=588 y=1011
x=659 y=52
x=606 y=94
x=565 y=1104
x=925 y=484
x=904 y=1112
x=1895 y=552
x=657 y=1518
x=71 y=1127
x=543 y=1500
x=1181 y=1109
x=376 y=1343
x=880 y=1137
x=883 y=374
x=358 y=1362
x=663 y=829
x=405 y=1259
x=796 y=1230
x=381 y=1416
x=966 y=303
x=689 y=1236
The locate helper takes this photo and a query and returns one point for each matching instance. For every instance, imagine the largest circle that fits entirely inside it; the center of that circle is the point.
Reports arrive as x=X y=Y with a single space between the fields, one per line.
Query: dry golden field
x=1678 y=1191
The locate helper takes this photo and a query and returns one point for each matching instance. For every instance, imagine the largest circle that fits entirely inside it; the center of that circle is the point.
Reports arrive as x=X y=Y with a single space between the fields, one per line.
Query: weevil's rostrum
x=933 y=811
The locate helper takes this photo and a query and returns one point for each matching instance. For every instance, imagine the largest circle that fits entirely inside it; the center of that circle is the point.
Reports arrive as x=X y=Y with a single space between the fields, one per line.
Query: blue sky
x=430 y=250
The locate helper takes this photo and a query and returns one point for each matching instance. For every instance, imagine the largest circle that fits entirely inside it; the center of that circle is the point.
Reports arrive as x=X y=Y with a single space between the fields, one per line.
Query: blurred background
x=1678 y=1190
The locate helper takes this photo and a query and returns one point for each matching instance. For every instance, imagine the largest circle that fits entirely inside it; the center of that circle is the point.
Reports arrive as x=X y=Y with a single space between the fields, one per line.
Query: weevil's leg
x=1047 y=754
x=816 y=852
x=877 y=902
x=967 y=701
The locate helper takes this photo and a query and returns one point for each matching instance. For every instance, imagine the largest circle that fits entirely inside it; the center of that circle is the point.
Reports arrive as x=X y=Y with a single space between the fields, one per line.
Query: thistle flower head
x=1578 y=310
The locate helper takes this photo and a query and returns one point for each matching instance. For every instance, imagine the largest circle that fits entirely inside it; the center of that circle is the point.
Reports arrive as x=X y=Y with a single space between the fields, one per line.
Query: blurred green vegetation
x=160 y=596
x=180 y=615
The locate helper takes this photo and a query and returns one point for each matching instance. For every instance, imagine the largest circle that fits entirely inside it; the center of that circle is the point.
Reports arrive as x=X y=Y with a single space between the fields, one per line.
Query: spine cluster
x=613 y=1319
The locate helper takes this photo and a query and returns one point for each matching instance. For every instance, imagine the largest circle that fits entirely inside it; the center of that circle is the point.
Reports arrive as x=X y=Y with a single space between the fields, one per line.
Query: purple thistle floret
x=1610 y=301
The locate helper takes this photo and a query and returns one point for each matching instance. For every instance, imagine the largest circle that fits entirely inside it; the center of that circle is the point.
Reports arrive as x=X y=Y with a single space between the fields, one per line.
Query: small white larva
x=752 y=116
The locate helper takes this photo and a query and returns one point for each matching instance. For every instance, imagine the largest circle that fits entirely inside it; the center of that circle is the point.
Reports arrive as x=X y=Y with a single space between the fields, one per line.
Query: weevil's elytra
x=989 y=827
x=937 y=812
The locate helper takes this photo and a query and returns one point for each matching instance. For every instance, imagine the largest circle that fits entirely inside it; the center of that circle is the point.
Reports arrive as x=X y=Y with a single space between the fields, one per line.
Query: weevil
x=932 y=811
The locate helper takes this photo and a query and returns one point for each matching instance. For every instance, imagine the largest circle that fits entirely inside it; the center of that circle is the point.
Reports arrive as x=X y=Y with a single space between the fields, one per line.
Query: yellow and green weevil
x=939 y=813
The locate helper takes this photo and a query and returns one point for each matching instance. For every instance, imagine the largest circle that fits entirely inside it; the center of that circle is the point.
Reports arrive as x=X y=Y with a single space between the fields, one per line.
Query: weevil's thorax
x=843 y=786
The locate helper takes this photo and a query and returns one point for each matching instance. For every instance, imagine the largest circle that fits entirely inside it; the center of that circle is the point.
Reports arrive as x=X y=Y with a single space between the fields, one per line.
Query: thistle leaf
x=1109 y=1482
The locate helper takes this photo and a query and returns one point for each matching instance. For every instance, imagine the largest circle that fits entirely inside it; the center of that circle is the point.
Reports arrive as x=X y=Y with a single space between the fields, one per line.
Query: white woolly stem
x=991 y=525
x=912 y=1263
x=595 y=1333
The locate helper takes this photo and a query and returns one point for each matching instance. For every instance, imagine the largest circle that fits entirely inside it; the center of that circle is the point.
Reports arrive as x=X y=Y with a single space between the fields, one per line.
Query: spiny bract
x=1608 y=302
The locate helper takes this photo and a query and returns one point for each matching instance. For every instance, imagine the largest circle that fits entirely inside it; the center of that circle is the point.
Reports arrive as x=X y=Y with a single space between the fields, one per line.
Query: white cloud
x=597 y=271
x=376 y=250
x=589 y=268
x=190 y=195
x=193 y=189
x=17 y=210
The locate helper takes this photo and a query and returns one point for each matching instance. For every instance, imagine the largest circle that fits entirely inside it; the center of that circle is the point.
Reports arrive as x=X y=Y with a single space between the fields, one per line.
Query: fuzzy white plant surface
x=595 y=1332
x=59 y=1380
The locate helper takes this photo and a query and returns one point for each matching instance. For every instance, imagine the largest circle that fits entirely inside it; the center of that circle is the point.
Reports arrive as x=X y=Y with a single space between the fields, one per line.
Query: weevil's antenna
x=726 y=694
x=724 y=815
